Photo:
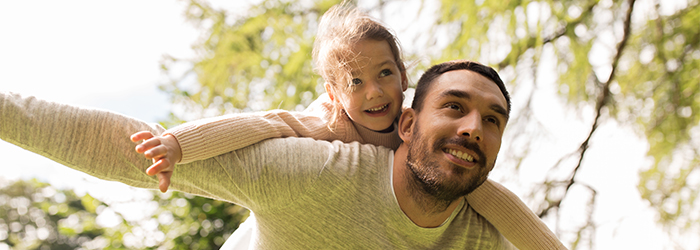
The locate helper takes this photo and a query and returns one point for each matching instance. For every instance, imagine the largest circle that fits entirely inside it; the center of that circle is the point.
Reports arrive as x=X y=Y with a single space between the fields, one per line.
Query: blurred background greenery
x=632 y=63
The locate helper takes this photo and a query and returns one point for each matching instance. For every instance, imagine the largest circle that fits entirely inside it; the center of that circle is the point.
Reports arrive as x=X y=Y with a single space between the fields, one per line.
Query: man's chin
x=462 y=181
x=464 y=173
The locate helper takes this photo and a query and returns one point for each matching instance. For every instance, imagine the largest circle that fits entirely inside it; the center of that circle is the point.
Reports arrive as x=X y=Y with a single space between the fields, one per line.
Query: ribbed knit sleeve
x=389 y=140
x=206 y=138
x=512 y=217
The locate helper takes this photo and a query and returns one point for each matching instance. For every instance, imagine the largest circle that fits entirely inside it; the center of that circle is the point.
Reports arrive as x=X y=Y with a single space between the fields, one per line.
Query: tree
x=635 y=62
x=36 y=215
x=252 y=64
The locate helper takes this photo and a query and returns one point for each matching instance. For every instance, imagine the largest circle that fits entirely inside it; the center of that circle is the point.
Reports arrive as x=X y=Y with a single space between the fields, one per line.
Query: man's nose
x=374 y=90
x=471 y=126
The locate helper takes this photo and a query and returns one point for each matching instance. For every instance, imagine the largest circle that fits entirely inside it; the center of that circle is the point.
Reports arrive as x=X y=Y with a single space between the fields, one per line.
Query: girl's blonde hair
x=340 y=28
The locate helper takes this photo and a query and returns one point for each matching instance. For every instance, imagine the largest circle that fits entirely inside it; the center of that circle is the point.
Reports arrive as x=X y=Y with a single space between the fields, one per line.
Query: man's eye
x=386 y=72
x=492 y=120
x=454 y=106
x=355 y=81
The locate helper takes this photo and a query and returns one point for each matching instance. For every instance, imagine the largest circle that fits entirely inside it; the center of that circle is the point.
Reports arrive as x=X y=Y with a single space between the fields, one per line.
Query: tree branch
x=603 y=100
x=562 y=31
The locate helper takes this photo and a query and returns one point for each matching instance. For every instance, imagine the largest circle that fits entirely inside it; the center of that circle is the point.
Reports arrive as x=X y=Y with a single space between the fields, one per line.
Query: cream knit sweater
x=206 y=138
x=306 y=194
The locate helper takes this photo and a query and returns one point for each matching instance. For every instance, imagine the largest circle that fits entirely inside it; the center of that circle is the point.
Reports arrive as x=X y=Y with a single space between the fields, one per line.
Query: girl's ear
x=406 y=124
x=329 y=90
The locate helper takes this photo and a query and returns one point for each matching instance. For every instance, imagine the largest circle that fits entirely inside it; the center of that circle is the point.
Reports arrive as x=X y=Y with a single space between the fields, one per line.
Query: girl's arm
x=206 y=138
x=512 y=217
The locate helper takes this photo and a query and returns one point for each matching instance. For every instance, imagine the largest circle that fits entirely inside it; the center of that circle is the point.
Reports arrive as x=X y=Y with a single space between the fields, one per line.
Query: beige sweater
x=207 y=138
x=306 y=194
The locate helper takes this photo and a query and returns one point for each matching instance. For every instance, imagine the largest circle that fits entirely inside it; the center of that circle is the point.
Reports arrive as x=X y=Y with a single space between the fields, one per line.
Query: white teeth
x=461 y=155
x=377 y=109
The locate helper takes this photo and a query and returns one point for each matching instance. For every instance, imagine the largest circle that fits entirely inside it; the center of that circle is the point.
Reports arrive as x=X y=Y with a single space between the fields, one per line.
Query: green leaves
x=257 y=62
x=654 y=83
x=662 y=85
x=35 y=215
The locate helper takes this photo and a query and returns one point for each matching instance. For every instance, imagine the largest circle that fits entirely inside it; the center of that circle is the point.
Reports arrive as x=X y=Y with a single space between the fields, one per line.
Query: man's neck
x=423 y=209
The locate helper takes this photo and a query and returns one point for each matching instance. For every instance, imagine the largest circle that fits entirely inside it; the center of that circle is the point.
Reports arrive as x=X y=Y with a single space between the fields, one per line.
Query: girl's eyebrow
x=388 y=61
x=385 y=62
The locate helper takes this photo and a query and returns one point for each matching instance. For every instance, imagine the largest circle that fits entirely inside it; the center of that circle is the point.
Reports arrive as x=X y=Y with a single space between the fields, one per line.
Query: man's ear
x=329 y=90
x=406 y=124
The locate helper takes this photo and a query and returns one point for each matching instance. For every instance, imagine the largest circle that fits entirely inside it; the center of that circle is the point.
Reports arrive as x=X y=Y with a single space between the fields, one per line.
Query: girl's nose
x=373 y=90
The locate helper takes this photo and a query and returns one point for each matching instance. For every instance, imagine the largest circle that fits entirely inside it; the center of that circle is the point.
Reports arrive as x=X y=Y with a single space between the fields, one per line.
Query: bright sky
x=105 y=54
x=88 y=53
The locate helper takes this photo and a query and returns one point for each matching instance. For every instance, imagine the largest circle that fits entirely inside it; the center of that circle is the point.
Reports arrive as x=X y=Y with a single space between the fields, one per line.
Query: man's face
x=457 y=134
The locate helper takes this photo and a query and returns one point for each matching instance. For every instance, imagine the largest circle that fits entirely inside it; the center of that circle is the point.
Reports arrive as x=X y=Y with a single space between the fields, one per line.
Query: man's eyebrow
x=465 y=95
x=456 y=93
x=499 y=109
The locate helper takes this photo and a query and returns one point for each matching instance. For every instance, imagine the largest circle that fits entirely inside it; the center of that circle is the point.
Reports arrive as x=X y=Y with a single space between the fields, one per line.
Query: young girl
x=360 y=61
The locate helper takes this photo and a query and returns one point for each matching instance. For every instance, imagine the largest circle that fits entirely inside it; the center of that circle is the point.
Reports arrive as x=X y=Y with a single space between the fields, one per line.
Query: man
x=310 y=194
x=451 y=136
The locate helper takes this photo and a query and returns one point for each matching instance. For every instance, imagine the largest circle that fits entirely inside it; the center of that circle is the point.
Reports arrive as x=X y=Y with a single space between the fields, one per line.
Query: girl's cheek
x=356 y=99
x=350 y=102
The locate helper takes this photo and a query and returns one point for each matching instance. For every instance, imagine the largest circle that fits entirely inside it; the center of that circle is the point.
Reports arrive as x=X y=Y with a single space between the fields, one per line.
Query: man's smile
x=461 y=155
x=460 y=158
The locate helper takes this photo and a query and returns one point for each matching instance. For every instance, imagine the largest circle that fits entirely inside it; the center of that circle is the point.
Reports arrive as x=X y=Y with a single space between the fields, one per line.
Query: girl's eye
x=355 y=81
x=385 y=72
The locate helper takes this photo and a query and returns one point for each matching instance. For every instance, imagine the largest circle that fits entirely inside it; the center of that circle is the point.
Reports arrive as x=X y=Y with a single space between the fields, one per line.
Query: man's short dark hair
x=435 y=71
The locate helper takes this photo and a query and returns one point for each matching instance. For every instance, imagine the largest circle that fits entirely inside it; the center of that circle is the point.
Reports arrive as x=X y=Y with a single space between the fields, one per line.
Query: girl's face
x=376 y=89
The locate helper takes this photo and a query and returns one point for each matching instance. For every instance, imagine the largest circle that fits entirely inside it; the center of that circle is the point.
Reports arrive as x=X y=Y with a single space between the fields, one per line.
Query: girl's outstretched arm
x=206 y=138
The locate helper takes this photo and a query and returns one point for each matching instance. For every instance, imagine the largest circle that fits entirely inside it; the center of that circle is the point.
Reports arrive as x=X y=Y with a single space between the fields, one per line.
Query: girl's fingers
x=148 y=145
x=143 y=135
x=158 y=167
x=152 y=148
x=155 y=152
x=163 y=177
x=164 y=181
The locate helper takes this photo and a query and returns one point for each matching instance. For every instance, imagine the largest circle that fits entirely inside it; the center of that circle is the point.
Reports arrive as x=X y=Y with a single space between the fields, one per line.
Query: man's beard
x=427 y=176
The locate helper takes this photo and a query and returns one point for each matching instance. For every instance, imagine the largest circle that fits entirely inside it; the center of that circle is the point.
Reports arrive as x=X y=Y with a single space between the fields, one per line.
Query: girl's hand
x=163 y=150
